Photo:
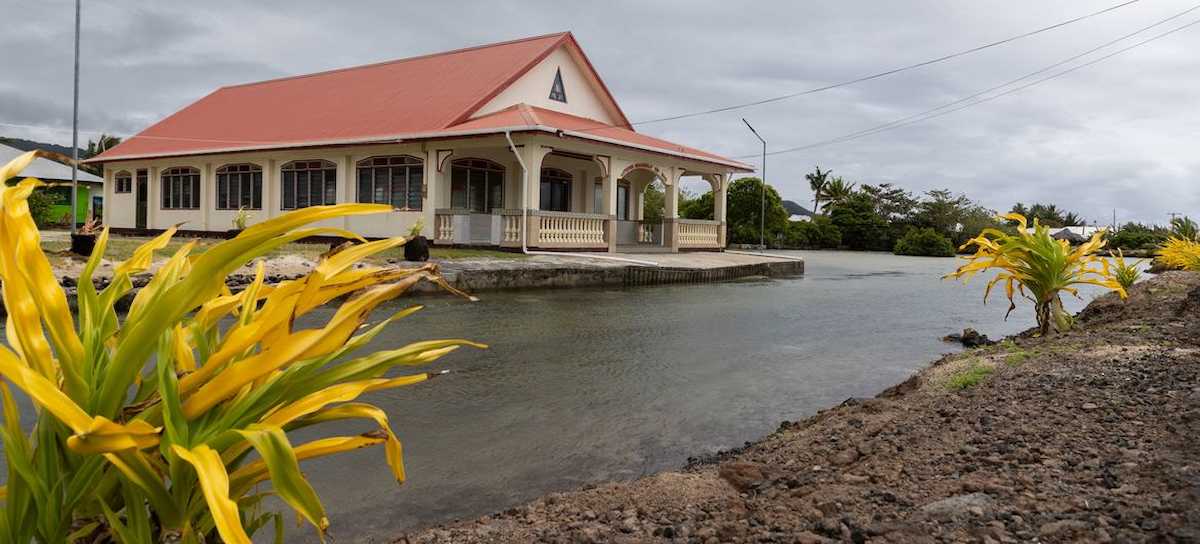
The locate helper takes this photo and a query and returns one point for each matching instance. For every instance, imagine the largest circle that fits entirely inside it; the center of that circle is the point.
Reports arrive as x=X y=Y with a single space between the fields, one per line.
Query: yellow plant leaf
x=43 y=392
x=243 y=478
x=214 y=483
x=275 y=450
x=104 y=436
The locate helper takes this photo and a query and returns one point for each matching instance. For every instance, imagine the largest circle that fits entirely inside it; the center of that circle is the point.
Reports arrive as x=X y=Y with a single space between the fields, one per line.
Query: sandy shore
x=1090 y=436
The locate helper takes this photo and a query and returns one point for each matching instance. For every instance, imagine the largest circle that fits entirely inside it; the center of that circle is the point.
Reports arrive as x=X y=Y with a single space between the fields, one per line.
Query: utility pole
x=75 y=132
x=1174 y=215
x=762 y=211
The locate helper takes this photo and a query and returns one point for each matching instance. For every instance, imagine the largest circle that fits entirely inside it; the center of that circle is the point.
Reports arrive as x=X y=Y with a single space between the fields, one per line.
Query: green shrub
x=819 y=233
x=1136 y=236
x=41 y=208
x=924 y=242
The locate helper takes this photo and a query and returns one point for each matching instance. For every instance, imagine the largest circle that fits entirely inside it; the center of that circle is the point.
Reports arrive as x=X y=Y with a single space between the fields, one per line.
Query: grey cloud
x=1121 y=134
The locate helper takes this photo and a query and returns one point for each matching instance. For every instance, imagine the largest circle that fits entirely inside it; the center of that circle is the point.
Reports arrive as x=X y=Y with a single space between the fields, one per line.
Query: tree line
x=881 y=217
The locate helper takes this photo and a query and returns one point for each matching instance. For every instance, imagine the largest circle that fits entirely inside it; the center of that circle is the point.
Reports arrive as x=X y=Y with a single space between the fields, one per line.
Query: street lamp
x=762 y=212
x=75 y=132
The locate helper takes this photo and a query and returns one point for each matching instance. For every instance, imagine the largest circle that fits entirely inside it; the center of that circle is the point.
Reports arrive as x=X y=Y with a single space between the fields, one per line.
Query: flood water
x=588 y=385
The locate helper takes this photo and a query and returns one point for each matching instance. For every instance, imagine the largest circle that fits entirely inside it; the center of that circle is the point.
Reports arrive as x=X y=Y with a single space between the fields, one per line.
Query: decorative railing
x=645 y=232
x=510 y=229
x=696 y=233
x=561 y=229
x=444 y=229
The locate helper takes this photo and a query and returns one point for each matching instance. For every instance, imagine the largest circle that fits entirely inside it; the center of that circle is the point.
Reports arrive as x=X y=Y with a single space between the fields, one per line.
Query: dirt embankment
x=1091 y=436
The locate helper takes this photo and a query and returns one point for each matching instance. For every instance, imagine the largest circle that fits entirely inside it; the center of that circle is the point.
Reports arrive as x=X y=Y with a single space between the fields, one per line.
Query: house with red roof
x=514 y=144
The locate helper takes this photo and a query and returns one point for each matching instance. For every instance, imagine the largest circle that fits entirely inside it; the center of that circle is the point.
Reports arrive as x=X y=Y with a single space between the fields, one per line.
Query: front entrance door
x=143 y=199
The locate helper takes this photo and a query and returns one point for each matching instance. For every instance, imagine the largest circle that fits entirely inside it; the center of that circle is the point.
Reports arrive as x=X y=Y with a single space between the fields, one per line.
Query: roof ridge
x=400 y=60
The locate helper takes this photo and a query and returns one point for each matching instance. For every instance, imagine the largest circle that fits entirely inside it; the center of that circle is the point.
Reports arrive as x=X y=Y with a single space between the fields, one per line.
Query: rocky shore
x=1090 y=436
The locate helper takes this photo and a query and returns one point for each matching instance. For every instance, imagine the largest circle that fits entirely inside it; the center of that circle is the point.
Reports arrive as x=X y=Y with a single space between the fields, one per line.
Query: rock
x=845 y=457
x=1062 y=527
x=743 y=476
x=1089 y=406
x=958 y=505
x=969 y=338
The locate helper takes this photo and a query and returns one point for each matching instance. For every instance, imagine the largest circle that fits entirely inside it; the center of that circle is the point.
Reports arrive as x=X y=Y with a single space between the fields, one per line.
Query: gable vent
x=557 y=92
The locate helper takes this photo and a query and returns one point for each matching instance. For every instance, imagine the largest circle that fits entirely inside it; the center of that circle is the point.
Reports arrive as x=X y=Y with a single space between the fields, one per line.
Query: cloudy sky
x=1122 y=134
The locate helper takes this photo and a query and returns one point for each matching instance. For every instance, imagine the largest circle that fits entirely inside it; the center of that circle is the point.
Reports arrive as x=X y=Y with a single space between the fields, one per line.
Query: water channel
x=588 y=385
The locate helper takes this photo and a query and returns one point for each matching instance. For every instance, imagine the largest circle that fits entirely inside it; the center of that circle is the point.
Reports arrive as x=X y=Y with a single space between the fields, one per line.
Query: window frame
x=171 y=182
x=123 y=188
x=328 y=170
x=494 y=175
x=623 y=203
x=412 y=168
x=552 y=176
x=237 y=171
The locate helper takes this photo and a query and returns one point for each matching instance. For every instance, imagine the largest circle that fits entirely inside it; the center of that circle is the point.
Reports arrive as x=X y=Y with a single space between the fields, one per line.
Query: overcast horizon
x=1121 y=134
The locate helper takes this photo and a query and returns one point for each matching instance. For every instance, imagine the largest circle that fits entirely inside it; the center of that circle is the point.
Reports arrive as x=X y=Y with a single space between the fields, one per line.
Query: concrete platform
x=561 y=271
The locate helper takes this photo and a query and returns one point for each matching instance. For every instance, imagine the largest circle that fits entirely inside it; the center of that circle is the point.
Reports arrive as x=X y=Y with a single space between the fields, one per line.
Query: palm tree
x=1184 y=227
x=818 y=181
x=837 y=191
x=1072 y=220
x=1046 y=214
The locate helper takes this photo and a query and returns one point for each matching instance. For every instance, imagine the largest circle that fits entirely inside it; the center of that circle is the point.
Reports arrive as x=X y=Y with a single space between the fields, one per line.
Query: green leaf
x=287 y=480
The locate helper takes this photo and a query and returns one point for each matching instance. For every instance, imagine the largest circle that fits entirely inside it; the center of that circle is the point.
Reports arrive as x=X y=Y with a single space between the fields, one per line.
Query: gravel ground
x=1090 y=436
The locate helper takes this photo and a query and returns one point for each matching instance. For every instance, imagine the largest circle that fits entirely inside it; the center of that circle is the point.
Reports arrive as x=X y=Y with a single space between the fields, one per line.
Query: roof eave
x=444 y=134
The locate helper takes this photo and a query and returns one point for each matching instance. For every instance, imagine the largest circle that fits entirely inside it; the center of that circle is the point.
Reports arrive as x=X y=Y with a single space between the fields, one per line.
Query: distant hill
x=796 y=209
x=30 y=145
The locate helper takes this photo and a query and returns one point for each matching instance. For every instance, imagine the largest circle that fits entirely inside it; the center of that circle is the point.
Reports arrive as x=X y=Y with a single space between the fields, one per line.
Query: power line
x=876 y=75
x=938 y=111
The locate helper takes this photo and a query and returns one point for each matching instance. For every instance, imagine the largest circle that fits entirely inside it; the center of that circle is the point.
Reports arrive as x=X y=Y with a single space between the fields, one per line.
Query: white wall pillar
x=208 y=193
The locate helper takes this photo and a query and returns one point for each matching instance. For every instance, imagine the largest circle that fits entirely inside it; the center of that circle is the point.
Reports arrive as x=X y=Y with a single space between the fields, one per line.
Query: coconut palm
x=1071 y=219
x=818 y=181
x=1185 y=228
x=837 y=191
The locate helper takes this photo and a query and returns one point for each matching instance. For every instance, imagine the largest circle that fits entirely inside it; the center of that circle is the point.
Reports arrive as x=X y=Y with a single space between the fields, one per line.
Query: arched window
x=123 y=182
x=181 y=188
x=307 y=183
x=476 y=185
x=556 y=190
x=397 y=180
x=239 y=186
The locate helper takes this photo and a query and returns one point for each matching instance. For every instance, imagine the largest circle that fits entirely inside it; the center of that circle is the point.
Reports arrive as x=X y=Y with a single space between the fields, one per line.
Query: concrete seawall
x=596 y=273
x=556 y=272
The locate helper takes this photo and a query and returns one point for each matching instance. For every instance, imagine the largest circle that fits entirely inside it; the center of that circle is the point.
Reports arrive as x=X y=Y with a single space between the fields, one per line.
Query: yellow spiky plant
x=1039 y=267
x=145 y=422
x=1179 y=253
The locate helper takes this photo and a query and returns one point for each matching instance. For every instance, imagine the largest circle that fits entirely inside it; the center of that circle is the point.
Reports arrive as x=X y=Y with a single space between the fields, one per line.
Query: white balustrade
x=645 y=233
x=570 y=230
x=510 y=229
x=445 y=228
x=697 y=233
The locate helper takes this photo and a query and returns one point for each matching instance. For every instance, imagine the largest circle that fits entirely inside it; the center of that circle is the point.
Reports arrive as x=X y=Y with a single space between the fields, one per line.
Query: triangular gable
x=563 y=81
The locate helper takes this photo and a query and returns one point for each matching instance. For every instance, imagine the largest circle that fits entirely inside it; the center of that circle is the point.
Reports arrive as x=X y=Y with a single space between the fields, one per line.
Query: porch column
x=206 y=203
x=532 y=155
x=720 y=184
x=440 y=228
x=671 y=208
x=610 y=176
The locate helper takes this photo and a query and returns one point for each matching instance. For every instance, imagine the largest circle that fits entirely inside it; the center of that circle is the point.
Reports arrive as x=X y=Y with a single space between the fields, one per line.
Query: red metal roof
x=419 y=97
x=526 y=117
